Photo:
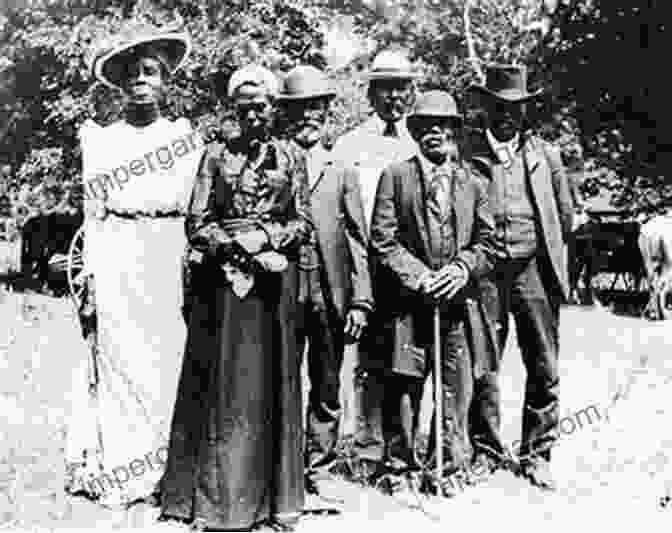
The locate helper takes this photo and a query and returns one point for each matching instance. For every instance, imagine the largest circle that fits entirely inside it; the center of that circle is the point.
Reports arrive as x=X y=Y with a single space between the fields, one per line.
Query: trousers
x=403 y=396
x=516 y=288
x=322 y=328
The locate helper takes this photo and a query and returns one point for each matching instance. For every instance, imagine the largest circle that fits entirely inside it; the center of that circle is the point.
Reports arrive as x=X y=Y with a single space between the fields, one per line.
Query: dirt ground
x=613 y=467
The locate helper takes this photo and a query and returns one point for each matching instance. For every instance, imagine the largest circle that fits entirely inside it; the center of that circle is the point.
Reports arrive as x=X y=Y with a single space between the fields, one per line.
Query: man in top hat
x=335 y=291
x=381 y=140
x=432 y=238
x=533 y=217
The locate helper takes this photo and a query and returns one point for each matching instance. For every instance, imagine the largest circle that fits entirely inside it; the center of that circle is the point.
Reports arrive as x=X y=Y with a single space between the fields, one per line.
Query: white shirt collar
x=500 y=147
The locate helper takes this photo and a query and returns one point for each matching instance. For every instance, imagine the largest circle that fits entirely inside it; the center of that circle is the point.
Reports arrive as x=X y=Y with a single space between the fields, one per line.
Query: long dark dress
x=235 y=455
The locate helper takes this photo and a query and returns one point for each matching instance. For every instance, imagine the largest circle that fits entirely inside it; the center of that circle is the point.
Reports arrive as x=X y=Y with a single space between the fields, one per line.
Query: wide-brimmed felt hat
x=254 y=75
x=433 y=104
x=112 y=54
x=303 y=83
x=507 y=83
x=391 y=65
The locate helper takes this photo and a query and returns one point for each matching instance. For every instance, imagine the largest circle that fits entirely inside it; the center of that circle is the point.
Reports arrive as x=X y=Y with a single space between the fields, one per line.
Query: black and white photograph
x=331 y=265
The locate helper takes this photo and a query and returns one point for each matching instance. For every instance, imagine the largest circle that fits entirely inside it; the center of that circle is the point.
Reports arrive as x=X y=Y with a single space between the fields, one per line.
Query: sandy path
x=612 y=471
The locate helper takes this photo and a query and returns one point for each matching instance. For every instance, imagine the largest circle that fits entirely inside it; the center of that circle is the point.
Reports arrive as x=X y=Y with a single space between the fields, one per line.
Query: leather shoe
x=538 y=473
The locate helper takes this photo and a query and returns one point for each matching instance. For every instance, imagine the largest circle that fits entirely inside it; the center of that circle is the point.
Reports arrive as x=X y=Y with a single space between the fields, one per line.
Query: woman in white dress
x=137 y=177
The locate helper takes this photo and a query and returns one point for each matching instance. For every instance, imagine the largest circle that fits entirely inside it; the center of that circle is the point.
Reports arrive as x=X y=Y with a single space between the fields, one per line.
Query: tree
x=604 y=65
x=46 y=88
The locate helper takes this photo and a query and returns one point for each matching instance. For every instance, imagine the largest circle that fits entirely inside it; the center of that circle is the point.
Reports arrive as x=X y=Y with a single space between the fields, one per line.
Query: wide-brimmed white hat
x=110 y=57
x=391 y=65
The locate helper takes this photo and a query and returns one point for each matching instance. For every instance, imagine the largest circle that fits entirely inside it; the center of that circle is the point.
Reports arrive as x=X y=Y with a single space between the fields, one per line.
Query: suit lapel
x=319 y=179
x=532 y=160
x=417 y=189
x=462 y=204
x=324 y=165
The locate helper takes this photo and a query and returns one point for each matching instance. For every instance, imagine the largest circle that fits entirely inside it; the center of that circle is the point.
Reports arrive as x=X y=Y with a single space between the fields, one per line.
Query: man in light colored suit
x=335 y=289
x=380 y=141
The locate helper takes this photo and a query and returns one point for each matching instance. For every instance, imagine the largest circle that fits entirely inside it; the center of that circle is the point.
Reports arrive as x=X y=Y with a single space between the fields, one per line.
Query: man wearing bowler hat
x=381 y=140
x=335 y=289
x=533 y=218
x=432 y=238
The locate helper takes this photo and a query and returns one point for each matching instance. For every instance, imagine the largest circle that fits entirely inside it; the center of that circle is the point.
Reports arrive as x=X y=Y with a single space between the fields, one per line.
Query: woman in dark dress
x=235 y=455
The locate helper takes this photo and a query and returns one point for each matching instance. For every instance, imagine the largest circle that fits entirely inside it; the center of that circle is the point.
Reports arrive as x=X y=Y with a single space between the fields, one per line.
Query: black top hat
x=507 y=83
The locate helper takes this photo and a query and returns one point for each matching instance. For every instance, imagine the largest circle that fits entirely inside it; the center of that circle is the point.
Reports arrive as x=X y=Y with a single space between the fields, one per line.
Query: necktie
x=505 y=155
x=439 y=191
x=390 y=130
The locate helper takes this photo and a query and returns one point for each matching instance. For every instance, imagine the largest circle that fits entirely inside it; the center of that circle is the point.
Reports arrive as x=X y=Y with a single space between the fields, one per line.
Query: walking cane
x=438 y=394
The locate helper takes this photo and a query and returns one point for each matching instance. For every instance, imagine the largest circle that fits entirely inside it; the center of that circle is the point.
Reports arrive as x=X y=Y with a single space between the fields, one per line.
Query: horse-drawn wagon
x=608 y=260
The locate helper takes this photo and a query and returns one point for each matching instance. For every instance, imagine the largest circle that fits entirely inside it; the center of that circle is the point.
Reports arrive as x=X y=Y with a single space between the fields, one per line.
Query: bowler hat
x=435 y=104
x=305 y=82
x=391 y=65
x=111 y=55
x=507 y=83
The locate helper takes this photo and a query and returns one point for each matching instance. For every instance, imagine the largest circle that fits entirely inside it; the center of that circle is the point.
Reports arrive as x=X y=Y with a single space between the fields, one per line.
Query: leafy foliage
x=608 y=116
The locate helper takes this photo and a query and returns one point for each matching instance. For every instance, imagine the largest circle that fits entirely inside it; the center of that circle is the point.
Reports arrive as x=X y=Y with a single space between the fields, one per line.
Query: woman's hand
x=272 y=261
x=252 y=241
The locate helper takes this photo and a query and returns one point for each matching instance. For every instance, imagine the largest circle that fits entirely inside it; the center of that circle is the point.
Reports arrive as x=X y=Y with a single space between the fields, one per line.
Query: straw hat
x=110 y=57
x=254 y=75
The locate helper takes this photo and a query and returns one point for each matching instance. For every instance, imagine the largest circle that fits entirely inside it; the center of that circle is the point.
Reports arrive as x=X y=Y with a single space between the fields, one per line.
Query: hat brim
x=414 y=117
x=392 y=75
x=513 y=96
x=175 y=47
x=310 y=96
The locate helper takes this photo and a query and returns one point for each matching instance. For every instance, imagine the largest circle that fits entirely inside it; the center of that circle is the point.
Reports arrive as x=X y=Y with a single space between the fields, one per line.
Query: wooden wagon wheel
x=75 y=268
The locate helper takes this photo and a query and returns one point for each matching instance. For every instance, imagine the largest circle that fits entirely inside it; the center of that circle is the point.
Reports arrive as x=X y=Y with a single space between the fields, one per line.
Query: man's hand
x=448 y=281
x=355 y=322
x=579 y=220
x=426 y=281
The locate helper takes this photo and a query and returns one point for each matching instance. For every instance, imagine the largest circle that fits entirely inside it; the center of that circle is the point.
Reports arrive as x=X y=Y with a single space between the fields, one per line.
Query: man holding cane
x=432 y=237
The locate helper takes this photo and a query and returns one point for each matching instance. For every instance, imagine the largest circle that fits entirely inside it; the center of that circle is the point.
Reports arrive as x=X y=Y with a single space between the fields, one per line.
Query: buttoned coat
x=401 y=254
x=342 y=237
x=551 y=198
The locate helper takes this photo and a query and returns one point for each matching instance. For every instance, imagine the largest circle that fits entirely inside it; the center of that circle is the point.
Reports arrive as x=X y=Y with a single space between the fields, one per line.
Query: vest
x=515 y=218
x=441 y=230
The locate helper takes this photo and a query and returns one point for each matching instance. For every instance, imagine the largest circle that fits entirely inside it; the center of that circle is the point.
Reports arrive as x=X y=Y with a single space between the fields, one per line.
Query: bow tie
x=390 y=130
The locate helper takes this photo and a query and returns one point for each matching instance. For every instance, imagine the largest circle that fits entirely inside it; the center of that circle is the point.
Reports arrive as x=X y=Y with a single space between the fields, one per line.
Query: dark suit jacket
x=401 y=249
x=338 y=215
x=551 y=198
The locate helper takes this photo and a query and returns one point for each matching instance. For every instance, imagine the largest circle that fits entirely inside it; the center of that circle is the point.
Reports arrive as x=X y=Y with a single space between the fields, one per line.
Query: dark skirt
x=235 y=453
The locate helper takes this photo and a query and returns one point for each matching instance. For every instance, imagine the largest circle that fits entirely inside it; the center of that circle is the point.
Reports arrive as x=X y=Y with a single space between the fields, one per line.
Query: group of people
x=292 y=242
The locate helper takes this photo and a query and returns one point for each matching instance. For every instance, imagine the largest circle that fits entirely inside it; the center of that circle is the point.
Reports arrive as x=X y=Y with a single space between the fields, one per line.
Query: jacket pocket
x=408 y=358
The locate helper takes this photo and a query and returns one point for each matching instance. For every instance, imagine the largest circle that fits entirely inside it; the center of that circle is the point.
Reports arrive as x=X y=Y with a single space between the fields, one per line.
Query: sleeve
x=385 y=244
x=202 y=227
x=93 y=201
x=357 y=240
x=561 y=188
x=481 y=255
x=297 y=229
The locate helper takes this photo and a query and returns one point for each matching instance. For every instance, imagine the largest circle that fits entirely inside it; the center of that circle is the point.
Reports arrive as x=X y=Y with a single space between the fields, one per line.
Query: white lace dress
x=117 y=445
